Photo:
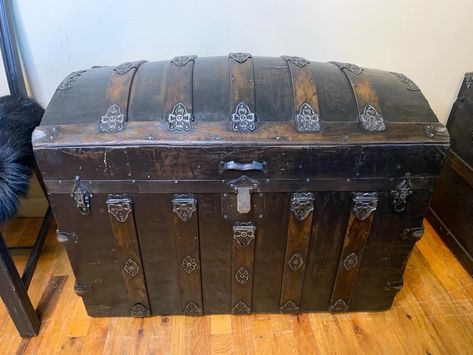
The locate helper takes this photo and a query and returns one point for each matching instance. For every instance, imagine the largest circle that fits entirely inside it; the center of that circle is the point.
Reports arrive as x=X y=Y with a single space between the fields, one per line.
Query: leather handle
x=234 y=165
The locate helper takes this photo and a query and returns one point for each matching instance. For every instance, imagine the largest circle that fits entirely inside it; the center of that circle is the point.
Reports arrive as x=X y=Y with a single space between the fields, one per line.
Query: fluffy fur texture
x=18 y=118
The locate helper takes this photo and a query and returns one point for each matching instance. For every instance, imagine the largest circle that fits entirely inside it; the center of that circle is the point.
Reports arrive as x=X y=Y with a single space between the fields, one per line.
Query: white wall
x=428 y=40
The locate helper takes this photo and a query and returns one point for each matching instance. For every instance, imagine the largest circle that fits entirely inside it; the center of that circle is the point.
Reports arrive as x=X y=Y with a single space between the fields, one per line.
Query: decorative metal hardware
x=179 y=119
x=120 y=207
x=244 y=233
x=307 y=120
x=289 y=307
x=184 y=206
x=408 y=82
x=239 y=57
x=244 y=186
x=241 y=308
x=469 y=80
x=365 y=204
x=113 y=121
x=192 y=309
x=350 y=261
x=352 y=68
x=66 y=84
x=371 y=120
x=296 y=262
x=64 y=237
x=82 y=197
x=339 y=306
x=243 y=119
x=82 y=288
x=298 y=61
x=302 y=204
x=394 y=286
x=189 y=264
x=437 y=130
x=242 y=275
x=413 y=234
x=400 y=195
x=126 y=67
x=182 y=60
x=131 y=267
x=139 y=310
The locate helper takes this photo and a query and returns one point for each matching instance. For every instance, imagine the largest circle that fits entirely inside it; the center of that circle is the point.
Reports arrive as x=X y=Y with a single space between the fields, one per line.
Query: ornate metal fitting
x=244 y=186
x=82 y=288
x=298 y=61
x=413 y=234
x=239 y=57
x=400 y=195
x=364 y=204
x=241 y=308
x=64 y=237
x=182 y=60
x=82 y=197
x=242 y=275
x=131 y=267
x=243 y=119
x=113 y=121
x=352 y=68
x=244 y=233
x=296 y=262
x=350 y=261
x=394 y=286
x=192 y=309
x=437 y=130
x=184 y=206
x=302 y=204
x=189 y=264
x=139 y=310
x=339 y=306
x=179 y=119
x=126 y=67
x=307 y=120
x=469 y=80
x=119 y=207
x=371 y=120
x=66 y=84
x=406 y=81
x=289 y=307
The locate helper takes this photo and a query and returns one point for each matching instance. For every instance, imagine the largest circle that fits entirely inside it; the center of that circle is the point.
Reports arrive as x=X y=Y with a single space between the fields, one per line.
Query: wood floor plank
x=432 y=314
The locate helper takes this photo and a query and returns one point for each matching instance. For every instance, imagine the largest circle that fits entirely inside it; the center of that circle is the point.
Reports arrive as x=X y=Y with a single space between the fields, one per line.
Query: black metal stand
x=13 y=289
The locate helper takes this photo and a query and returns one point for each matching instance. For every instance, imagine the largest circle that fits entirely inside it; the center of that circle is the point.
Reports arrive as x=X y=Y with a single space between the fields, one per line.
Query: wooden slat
x=178 y=105
x=243 y=254
x=122 y=222
x=186 y=237
x=306 y=101
x=356 y=237
x=242 y=93
x=298 y=237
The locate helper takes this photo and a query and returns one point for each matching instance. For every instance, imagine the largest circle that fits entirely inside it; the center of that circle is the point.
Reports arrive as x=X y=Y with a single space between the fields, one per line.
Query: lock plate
x=243 y=199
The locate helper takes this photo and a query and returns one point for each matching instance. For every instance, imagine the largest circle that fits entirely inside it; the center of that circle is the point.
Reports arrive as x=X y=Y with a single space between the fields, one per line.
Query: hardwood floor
x=433 y=314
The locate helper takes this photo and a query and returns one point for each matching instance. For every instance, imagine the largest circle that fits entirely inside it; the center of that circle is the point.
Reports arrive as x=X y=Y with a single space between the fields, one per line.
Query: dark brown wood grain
x=124 y=233
x=186 y=237
x=298 y=237
x=356 y=238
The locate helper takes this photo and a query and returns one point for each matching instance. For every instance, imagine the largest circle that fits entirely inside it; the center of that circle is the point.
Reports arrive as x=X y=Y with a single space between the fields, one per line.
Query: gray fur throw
x=18 y=118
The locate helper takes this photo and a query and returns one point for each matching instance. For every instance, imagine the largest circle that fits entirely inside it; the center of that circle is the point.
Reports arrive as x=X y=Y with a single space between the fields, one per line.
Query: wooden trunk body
x=238 y=184
x=451 y=208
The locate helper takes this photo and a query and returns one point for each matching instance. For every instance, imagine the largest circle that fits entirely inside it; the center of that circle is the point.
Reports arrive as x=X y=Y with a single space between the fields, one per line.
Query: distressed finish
x=242 y=184
x=451 y=208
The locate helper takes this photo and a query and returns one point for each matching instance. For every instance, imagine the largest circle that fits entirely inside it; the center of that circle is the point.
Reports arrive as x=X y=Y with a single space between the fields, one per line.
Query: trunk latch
x=243 y=187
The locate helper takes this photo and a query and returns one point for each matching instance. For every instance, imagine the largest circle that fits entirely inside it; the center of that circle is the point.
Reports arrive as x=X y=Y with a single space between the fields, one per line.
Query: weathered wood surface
x=433 y=314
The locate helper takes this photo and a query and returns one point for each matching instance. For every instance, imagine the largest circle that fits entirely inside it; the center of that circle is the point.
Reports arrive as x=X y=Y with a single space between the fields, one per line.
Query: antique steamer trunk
x=451 y=208
x=238 y=184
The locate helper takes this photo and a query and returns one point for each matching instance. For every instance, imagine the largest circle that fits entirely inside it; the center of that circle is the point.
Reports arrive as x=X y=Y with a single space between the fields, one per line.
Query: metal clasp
x=243 y=187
